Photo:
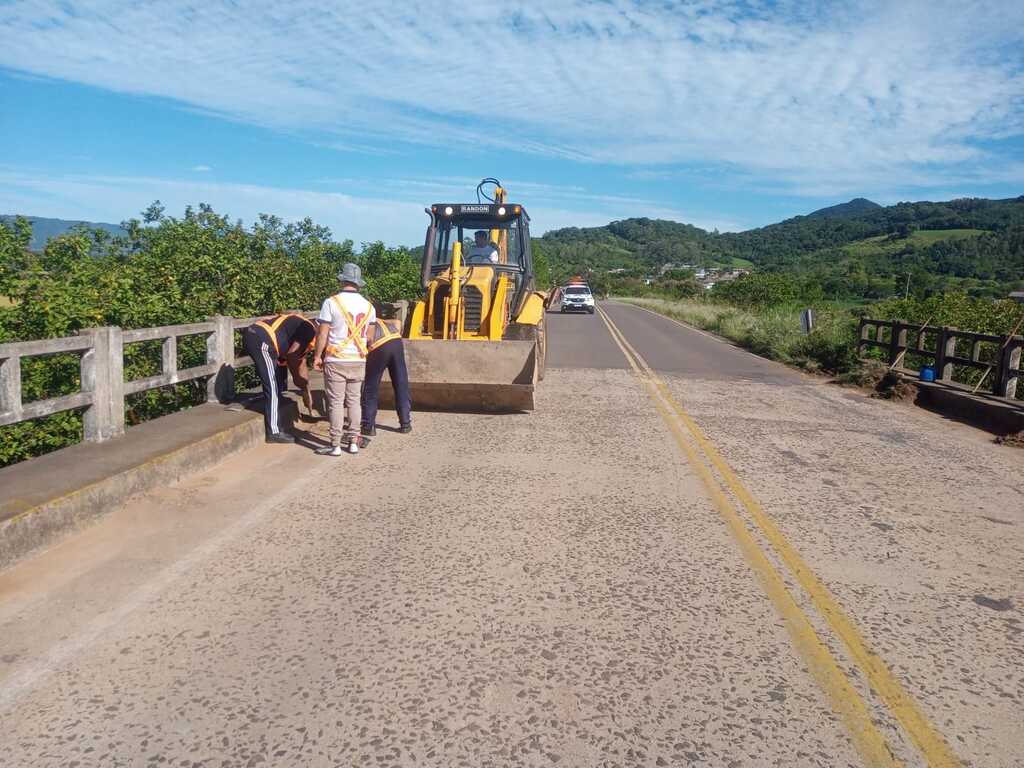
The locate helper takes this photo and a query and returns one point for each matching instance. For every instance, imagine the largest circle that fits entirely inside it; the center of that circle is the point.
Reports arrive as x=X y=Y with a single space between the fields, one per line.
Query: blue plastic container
x=927 y=373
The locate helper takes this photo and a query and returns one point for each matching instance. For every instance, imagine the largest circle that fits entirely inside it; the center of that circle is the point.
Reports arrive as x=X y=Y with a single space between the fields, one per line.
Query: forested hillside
x=633 y=244
x=856 y=249
x=43 y=228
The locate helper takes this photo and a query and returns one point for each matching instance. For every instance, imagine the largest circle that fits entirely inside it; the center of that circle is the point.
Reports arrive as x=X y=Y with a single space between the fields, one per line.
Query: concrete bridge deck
x=584 y=585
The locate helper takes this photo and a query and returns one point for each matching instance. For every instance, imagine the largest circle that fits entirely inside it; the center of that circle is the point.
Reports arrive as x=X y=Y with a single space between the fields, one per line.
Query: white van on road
x=577 y=298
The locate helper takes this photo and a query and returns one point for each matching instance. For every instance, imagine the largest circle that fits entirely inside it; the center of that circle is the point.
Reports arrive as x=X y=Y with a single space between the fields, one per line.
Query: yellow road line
x=820 y=661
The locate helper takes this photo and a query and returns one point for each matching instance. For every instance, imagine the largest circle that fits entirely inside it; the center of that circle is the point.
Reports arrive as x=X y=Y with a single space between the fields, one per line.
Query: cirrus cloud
x=800 y=94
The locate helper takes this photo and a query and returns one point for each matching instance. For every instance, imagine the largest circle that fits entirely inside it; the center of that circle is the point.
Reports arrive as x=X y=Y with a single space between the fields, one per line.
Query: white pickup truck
x=577 y=298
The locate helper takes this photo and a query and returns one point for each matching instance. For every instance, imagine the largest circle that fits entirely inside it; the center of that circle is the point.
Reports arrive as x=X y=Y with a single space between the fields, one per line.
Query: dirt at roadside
x=1016 y=440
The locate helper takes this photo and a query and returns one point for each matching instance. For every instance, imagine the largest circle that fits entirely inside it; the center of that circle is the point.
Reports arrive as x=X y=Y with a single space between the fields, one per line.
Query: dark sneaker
x=364 y=442
x=280 y=437
x=368 y=431
x=329 y=450
x=405 y=429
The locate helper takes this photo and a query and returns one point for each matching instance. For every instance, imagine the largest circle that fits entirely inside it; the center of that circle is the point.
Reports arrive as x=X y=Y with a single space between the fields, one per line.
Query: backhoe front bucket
x=489 y=376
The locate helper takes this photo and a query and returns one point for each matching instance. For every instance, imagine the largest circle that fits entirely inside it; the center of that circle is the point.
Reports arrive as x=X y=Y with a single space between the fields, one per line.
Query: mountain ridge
x=44 y=227
x=854 y=207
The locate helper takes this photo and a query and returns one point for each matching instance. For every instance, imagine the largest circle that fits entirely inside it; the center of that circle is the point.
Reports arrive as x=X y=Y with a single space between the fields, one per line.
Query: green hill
x=854 y=249
x=43 y=228
x=856 y=207
x=921 y=238
x=635 y=245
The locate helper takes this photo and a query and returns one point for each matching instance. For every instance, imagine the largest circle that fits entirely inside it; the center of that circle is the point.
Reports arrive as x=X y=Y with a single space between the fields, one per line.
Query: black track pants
x=274 y=377
x=390 y=357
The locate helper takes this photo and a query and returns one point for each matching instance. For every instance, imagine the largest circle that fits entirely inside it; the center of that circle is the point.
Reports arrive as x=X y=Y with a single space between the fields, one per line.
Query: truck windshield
x=484 y=241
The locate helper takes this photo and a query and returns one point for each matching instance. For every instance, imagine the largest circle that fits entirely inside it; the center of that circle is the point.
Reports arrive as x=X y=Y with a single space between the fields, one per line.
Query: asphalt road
x=555 y=588
x=582 y=341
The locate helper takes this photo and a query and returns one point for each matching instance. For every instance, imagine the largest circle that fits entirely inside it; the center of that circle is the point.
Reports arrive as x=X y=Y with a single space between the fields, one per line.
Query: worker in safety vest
x=385 y=352
x=276 y=345
x=341 y=347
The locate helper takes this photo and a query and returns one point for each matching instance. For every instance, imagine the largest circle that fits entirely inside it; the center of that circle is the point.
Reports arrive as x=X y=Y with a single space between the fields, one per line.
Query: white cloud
x=807 y=94
x=201 y=168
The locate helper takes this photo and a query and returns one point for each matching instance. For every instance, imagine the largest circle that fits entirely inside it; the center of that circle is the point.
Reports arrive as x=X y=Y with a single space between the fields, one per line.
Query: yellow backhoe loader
x=476 y=340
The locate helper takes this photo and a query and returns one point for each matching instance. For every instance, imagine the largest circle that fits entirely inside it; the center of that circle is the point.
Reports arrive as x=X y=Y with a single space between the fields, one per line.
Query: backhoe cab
x=495 y=271
x=476 y=339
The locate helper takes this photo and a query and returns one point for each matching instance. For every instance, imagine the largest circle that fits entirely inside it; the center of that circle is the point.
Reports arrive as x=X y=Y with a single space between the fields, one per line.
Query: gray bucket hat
x=351 y=273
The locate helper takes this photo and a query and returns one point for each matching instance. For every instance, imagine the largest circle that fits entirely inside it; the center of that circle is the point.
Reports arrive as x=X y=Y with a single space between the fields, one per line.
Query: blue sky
x=722 y=114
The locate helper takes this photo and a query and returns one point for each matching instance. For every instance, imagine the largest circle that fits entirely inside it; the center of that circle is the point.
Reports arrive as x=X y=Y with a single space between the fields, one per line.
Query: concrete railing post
x=169 y=355
x=115 y=359
x=1011 y=360
x=220 y=350
x=945 y=347
x=102 y=369
x=897 y=341
x=10 y=385
x=865 y=335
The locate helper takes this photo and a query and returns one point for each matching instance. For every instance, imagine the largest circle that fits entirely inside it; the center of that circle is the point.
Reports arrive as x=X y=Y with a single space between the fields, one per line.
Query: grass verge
x=772 y=332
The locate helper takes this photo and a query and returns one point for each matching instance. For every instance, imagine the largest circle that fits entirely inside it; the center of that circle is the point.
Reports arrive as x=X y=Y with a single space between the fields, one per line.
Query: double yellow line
x=844 y=698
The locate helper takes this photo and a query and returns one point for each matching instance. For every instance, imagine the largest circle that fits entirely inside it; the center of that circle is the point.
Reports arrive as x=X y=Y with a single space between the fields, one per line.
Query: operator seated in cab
x=482 y=251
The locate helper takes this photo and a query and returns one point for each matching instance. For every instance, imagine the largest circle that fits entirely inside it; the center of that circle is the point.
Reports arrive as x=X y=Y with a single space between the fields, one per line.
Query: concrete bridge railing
x=103 y=386
x=998 y=358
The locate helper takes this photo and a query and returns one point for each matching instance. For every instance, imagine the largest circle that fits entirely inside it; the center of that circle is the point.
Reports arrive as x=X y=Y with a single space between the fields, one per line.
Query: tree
x=391 y=273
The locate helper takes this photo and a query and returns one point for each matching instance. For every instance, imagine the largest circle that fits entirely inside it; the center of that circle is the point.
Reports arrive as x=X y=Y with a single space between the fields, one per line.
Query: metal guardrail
x=998 y=357
x=103 y=387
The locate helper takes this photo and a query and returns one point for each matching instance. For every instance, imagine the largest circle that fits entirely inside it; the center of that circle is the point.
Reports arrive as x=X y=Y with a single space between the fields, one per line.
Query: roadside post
x=807 y=321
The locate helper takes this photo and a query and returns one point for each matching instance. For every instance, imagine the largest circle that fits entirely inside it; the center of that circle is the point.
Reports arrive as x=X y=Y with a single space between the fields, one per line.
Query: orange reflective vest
x=356 y=332
x=271 y=329
x=385 y=331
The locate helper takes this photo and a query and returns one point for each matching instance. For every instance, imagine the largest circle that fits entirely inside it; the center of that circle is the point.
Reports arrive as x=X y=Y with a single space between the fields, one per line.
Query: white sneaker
x=330 y=450
x=353 y=447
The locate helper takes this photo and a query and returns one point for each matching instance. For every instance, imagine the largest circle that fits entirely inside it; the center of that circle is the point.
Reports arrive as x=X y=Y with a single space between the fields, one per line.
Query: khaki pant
x=342 y=383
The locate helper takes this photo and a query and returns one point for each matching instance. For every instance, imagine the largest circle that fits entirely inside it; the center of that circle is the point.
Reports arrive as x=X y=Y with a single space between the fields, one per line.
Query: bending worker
x=276 y=345
x=385 y=352
x=340 y=353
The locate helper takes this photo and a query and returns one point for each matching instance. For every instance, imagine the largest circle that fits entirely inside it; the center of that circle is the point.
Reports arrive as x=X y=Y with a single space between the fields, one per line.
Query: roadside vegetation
x=772 y=331
x=761 y=312
x=167 y=270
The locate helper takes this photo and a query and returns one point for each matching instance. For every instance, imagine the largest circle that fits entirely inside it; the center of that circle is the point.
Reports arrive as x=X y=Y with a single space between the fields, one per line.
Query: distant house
x=733 y=274
x=1017 y=296
x=674 y=267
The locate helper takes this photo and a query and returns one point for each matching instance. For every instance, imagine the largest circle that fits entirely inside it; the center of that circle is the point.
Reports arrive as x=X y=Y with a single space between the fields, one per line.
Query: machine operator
x=482 y=251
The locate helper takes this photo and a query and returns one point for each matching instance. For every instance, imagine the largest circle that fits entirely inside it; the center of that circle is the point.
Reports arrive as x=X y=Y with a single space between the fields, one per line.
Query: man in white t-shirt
x=482 y=251
x=341 y=345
